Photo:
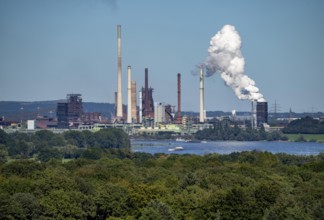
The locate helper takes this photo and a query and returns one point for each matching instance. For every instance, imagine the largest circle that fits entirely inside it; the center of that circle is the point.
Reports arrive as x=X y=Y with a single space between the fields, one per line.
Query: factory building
x=91 y=117
x=169 y=113
x=62 y=115
x=75 y=108
x=70 y=113
x=147 y=99
x=159 y=113
x=261 y=113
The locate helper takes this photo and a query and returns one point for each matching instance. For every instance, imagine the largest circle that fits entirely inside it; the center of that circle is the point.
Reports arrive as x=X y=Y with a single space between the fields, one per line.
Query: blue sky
x=49 y=48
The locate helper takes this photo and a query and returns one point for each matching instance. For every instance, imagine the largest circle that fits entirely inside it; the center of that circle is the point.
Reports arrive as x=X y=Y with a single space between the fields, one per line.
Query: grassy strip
x=307 y=137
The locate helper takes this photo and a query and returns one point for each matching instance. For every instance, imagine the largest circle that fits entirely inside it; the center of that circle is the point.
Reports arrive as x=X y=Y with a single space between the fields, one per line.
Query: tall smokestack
x=253 y=115
x=129 y=95
x=119 y=76
x=140 y=114
x=179 y=98
x=134 y=101
x=115 y=104
x=146 y=101
x=201 y=107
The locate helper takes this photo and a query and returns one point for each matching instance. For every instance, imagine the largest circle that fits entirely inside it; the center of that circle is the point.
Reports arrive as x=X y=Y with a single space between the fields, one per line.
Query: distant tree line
x=45 y=145
x=306 y=125
x=223 y=131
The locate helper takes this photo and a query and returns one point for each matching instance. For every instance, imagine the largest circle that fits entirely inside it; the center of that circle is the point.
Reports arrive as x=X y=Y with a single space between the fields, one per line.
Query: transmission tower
x=275 y=108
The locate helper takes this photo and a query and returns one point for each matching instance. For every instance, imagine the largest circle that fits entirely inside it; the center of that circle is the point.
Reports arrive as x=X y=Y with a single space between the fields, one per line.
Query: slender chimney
x=119 y=76
x=134 y=101
x=140 y=114
x=115 y=104
x=129 y=95
x=201 y=107
x=146 y=101
x=179 y=98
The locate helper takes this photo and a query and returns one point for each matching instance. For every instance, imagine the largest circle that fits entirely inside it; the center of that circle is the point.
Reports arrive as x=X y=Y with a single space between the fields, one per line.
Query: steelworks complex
x=141 y=114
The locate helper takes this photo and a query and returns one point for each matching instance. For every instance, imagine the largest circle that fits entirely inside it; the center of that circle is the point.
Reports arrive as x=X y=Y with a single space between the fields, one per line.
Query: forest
x=44 y=145
x=224 y=131
x=103 y=179
x=306 y=125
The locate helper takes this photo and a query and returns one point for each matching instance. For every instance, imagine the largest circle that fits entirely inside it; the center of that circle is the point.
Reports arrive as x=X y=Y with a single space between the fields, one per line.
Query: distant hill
x=306 y=125
x=15 y=110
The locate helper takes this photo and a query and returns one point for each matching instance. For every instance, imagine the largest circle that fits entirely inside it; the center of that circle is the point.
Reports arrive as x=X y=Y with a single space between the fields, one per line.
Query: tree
x=60 y=204
x=112 y=200
x=26 y=206
x=112 y=138
x=156 y=211
x=92 y=153
x=44 y=135
x=4 y=137
x=306 y=125
x=22 y=168
x=3 y=154
x=75 y=138
x=45 y=154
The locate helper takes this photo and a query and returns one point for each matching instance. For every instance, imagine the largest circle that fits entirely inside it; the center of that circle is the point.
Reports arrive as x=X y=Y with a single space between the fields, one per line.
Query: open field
x=308 y=137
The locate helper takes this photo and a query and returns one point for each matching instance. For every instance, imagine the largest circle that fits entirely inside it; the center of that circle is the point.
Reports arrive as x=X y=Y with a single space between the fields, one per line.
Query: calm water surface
x=225 y=147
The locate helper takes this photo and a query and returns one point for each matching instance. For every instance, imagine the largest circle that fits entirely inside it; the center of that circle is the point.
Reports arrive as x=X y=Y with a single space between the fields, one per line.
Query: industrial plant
x=143 y=115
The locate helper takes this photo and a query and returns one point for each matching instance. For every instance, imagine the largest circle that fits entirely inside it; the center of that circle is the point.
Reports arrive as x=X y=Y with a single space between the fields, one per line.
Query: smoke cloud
x=225 y=58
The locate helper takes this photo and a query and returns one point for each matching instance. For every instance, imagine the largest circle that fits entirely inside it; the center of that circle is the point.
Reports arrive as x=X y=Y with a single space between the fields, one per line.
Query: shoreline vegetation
x=86 y=175
x=125 y=185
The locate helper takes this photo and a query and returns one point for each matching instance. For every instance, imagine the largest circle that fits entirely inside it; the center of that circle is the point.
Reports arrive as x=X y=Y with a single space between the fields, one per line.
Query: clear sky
x=49 y=48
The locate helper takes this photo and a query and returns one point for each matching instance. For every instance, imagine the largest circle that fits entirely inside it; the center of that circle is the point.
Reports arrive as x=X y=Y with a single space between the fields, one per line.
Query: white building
x=159 y=113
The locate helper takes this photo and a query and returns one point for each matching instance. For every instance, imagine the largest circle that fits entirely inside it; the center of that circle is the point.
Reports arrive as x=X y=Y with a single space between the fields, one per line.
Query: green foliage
x=75 y=138
x=19 y=206
x=306 y=125
x=4 y=137
x=92 y=154
x=300 y=139
x=125 y=185
x=60 y=204
x=223 y=131
x=22 y=168
x=111 y=138
x=71 y=144
x=111 y=200
x=307 y=137
x=3 y=154
x=47 y=154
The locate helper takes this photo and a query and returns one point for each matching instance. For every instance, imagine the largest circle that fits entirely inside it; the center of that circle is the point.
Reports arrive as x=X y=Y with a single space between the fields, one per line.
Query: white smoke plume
x=225 y=57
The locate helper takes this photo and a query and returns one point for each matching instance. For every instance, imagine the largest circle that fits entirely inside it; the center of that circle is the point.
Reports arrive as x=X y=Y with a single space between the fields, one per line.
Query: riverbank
x=306 y=137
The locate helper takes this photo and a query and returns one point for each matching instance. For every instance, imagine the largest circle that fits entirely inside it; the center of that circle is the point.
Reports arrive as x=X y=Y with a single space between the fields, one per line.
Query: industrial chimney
x=119 y=76
x=179 y=98
x=253 y=115
x=146 y=101
x=140 y=114
x=134 y=101
x=129 y=95
x=201 y=107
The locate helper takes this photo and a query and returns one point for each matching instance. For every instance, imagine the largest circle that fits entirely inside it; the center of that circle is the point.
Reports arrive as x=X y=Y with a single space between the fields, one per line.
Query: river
x=225 y=147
